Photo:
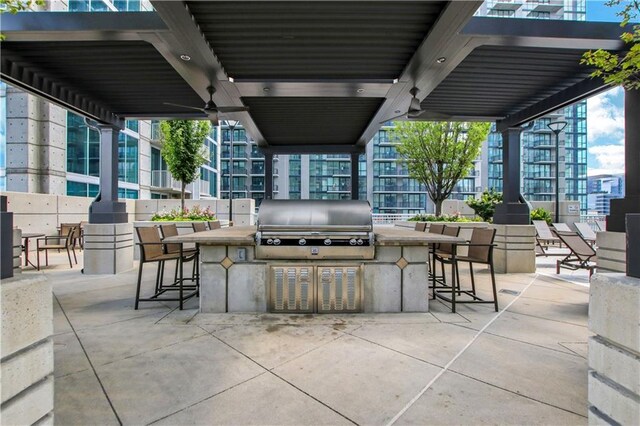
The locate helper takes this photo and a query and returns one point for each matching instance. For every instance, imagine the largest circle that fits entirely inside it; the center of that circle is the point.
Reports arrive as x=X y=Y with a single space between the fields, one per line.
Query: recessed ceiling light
x=231 y=80
x=360 y=90
x=266 y=89
x=397 y=111
x=395 y=81
x=441 y=59
x=185 y=58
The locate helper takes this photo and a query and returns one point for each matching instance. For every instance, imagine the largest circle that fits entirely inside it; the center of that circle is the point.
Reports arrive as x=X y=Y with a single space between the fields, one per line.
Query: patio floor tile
x=265 y=399
x=363 y=381
x=68 y=356
x=545 y=375
x=459 y=400
x=157 y=383
x=79 y=400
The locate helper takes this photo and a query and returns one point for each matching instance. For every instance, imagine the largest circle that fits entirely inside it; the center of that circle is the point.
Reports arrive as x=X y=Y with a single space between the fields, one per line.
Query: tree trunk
x=182 y=190
x=438 y=207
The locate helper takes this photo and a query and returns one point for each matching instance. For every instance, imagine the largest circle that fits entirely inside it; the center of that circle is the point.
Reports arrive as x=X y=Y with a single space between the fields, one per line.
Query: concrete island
x=233 y=279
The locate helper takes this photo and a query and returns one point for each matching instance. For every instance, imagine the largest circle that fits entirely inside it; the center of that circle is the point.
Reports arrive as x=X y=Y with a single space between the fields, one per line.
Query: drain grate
x=507 y=291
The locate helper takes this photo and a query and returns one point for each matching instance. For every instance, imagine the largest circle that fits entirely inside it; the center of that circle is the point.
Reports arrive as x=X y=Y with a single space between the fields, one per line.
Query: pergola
x=317 y=76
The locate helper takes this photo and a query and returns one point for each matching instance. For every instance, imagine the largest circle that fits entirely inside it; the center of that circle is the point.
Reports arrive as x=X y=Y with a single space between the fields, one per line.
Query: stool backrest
x=70 y=231
x=214 y=224
x=484 y=236
x=199 y=226
x=436 y=228
x=452 y=231
x=151 y=245
x=170 y=230
x=420 y=226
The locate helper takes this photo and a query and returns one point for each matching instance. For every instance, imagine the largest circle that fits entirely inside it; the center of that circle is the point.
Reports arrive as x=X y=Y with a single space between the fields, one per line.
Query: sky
x=605 y=113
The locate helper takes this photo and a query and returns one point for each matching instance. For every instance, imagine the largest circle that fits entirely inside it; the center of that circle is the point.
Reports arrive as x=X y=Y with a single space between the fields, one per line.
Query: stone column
x=631 y=201
x=6 y=240
x=36 y=144
x=106 y=208
x=268 y=176
x=511 y=211
x=355 y=175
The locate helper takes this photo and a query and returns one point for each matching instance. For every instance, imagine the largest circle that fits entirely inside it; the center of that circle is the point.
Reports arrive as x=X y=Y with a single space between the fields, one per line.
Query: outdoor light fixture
x=360 y=90
x=185 y=58
x=441 y=59
x=266 y=89
x=231 y=80
x=231 y=125
x=556 y=127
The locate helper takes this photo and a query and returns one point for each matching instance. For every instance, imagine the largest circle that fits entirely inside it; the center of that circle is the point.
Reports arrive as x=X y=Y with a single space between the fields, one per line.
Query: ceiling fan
x=210 y=108
x=414 y=110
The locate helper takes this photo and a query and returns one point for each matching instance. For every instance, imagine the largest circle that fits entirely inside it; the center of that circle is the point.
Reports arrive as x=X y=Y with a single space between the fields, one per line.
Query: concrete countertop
x=399 y=236
x=245 y=236
x=232 y=236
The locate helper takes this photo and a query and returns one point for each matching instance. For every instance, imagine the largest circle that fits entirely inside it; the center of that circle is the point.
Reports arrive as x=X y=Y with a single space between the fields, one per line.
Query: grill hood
x=315 y=216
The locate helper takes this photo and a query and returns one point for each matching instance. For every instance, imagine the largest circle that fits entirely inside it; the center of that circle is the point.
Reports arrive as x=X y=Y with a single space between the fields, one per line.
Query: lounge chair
x=587 y=233
x=544 y=236
x=602 y=225
x=562 y=227
x=580 y=256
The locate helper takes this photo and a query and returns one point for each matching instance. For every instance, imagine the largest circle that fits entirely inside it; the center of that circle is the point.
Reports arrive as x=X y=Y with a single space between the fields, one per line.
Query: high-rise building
x=538 y=141
x=602 y=189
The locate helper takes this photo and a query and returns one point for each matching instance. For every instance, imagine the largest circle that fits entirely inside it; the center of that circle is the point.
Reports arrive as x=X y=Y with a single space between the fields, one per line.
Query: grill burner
x=315 y=229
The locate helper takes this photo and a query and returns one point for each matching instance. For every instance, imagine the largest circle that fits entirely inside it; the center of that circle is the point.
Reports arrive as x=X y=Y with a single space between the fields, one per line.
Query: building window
x=83 y=147
x=82 y=189
x=127 y=158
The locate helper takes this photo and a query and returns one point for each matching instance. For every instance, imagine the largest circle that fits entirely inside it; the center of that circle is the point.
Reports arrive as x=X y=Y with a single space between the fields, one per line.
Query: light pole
x=231 y=125
x=557 y=127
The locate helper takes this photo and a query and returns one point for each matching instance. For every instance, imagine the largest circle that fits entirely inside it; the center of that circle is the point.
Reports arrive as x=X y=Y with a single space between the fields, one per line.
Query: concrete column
x=511 y=211
x=631 y=201
x=268 y=176
x=36 y=144
x=6 y=240
x=355 y=175
x=108 y=248
x=614 y=365
x=106 y=208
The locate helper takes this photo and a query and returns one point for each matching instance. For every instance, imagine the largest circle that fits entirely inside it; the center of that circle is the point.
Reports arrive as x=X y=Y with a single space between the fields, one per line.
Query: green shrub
x=541 y=214
x=443 y=218
x=485 y=206
x=196 y=213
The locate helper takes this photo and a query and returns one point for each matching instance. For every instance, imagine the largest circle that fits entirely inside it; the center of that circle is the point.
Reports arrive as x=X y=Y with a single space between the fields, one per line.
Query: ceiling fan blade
x=393 y=118
x=415 y=113
x=232 y=109
x=183 y=106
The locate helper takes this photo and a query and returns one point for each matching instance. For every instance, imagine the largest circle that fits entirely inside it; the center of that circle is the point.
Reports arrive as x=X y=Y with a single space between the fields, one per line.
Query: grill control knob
x=327 y=242
x=360 y=242
x=270 y=241
x=276 y=241
x=302 y=241
x=352 y=242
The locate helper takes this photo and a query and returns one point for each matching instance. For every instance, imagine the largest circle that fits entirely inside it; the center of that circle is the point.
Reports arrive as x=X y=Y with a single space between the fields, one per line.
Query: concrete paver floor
x=524 y=365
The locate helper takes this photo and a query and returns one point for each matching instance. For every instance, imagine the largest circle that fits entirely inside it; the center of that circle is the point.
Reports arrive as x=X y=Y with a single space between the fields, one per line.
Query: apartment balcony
x=237 y=171
x=397 y=188
x=205 y=187
x=163 y=181
x=337 y=189
x=236 y=155
x=387 y=142
x=276 y=172
x=255 y=155
x=550 y=6
x=386 y=156
x=504 y=5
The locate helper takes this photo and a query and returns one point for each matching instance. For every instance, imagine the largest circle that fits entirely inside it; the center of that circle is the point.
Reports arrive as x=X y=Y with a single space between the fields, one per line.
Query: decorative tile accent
x=226 y=263
x=402 y=263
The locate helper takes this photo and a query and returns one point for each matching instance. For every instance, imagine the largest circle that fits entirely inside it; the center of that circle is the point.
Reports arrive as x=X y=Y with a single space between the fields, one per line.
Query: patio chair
x=152 y=249
x=214 y=224
x=64 y=242
x=480 y=251
x=584 y=229
x=420 y=226
x=199 y=226
x=77 y=237
x=544 y=235
x=436 y=228
x=441 y=253
x=580 y=256
x=562 y=227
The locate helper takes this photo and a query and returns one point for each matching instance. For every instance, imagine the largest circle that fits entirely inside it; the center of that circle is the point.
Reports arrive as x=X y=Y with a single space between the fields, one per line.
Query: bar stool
x=420 y=226
x=199 y=226
x=152 y=249
x=442 y=252
x=214 y=224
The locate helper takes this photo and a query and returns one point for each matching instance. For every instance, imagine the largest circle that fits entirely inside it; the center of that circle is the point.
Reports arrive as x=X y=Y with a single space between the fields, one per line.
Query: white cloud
x=609 y=159
x=605 y=119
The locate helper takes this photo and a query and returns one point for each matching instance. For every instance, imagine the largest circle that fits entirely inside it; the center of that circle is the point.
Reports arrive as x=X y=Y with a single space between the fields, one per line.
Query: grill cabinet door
x=339 y=289
x=291 y=289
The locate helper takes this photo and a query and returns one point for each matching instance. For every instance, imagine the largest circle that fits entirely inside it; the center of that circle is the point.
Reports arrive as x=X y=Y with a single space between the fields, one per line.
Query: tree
x=615 y=69
x=183 y=149
x=485 y=206
x=439 y=154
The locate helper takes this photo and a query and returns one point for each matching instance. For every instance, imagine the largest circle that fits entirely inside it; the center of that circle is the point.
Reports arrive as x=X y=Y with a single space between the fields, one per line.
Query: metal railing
x=164 y=179
x=390 y=218
x=593 y=219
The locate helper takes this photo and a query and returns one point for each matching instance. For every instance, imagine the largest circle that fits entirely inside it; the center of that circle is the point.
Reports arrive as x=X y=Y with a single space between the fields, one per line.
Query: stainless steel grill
x=315 y=229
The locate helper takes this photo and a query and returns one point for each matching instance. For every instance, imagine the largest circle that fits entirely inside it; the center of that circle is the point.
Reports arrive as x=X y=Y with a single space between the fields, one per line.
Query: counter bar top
x=245 y=236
